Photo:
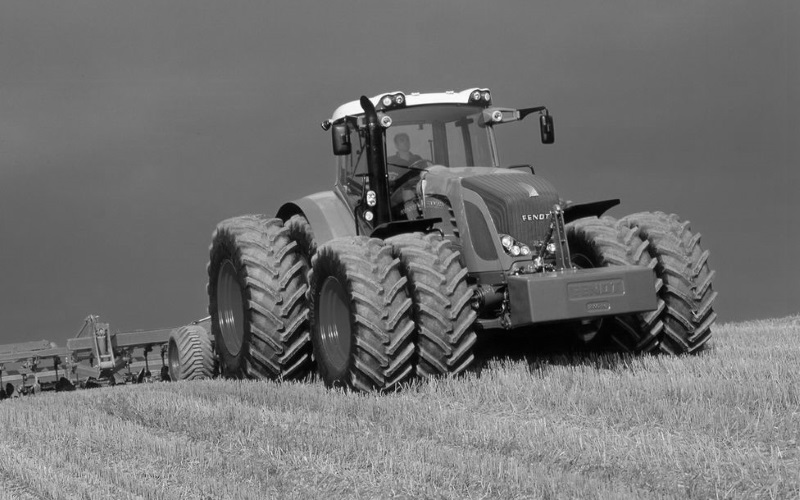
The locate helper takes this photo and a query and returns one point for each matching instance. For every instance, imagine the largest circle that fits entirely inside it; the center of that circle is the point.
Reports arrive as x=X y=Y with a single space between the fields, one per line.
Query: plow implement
x=98 y=357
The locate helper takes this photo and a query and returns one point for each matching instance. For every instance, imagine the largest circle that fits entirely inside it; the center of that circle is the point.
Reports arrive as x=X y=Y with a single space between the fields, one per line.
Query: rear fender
x=328 y=215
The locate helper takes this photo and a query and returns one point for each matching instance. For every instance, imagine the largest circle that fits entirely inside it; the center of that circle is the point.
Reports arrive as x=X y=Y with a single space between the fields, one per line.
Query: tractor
x=427 y=241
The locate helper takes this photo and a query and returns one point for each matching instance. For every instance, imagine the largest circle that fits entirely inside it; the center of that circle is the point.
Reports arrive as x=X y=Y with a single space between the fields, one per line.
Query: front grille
x=479 y=232
x=518 y=203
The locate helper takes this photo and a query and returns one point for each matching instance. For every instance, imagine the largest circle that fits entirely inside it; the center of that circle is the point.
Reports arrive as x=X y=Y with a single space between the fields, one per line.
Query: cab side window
x=351 y=169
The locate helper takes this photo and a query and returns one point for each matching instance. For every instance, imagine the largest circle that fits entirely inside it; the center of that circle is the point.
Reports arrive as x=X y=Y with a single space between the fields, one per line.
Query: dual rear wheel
x=368 y=314
x=256 y=288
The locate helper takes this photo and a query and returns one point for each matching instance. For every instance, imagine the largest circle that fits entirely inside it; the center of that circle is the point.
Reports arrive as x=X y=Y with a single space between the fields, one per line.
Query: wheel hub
x=173 y=360
x=334 y=324
x=230 y=308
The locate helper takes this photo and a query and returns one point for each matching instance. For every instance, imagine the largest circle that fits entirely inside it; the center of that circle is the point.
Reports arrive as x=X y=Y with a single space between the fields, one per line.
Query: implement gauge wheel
x=361 y=317
x=189 y=353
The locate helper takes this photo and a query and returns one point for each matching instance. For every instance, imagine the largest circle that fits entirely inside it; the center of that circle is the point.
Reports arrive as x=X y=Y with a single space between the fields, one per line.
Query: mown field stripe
x=722 y=424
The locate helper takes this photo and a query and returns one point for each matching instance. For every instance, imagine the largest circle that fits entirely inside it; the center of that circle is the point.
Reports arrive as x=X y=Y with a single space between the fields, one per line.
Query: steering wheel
x=401 y=182
x=413 y=168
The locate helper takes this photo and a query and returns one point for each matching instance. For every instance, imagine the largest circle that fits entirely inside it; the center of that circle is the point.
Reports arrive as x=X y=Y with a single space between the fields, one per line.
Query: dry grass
x=725 y=424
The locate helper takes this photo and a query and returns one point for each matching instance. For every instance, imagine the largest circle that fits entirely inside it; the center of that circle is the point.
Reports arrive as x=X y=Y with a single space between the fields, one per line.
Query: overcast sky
x=129 y=129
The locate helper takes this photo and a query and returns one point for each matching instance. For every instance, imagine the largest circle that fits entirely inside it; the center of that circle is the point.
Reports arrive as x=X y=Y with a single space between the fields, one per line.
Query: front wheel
x=602 y=242
x=684 y=269
x=437 y=284
x=361 y=324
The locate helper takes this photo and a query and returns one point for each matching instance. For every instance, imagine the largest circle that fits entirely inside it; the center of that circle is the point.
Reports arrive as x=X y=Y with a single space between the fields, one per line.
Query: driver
x=403 y=200
x=404 y=157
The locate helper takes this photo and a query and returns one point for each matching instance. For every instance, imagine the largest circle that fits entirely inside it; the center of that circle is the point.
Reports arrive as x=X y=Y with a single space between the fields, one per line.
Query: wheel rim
x=230 y=309
x=173 y=361
x=582 y=261
x=334 y=324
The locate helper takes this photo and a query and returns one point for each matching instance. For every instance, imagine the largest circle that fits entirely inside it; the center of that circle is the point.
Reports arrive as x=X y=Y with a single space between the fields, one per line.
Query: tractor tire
x=300 y=232
x=683 y=267
x=361 y=316
x=189 y=353
x=437 y=285
x=257 y=300
x=602 y=242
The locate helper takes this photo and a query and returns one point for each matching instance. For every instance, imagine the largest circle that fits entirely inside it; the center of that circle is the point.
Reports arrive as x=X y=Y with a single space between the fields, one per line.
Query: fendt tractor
x=427 y=241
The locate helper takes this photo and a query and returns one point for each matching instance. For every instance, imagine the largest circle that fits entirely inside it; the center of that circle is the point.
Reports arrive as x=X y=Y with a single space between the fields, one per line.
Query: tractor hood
x=519 y=203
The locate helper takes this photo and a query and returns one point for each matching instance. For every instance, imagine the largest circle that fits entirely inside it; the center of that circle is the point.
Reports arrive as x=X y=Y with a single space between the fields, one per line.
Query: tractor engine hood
x=519 y=203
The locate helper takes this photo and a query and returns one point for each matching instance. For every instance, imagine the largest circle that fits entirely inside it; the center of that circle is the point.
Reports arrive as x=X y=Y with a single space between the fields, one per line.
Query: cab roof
x=353 y=108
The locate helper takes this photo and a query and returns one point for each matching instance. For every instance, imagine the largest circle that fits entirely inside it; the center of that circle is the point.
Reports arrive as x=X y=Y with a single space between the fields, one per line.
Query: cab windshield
x=451 y=135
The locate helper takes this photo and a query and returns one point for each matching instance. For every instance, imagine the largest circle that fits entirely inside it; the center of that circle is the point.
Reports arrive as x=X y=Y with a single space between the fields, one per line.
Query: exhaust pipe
x=376 y=163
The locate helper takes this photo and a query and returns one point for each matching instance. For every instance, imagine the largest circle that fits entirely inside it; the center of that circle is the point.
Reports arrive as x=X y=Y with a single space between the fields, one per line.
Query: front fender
x=594 y=209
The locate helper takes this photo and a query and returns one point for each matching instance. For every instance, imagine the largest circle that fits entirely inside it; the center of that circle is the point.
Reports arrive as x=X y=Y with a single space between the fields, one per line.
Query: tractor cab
x=384 y=145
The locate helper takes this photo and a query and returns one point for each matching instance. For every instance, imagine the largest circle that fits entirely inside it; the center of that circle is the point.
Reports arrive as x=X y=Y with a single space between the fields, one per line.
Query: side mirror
x=340 y=136
x=546 y=128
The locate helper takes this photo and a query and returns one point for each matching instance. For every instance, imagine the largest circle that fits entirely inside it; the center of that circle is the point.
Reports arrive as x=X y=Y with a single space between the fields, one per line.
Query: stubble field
x=723 y=424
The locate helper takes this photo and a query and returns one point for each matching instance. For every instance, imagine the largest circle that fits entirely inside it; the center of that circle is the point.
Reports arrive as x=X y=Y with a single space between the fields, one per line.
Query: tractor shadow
x=545 y=348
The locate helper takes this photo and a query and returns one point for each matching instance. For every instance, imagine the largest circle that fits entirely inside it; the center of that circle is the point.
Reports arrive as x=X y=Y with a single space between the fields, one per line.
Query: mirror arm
x=526 y=111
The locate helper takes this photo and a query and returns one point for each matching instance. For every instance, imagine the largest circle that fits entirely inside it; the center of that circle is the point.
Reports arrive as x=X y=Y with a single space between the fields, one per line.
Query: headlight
x=391 y=101
x=513 y=247
x=481 y=97
x=386 y=121
x=368 y=215
x=551 y=247
x=372 y=198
